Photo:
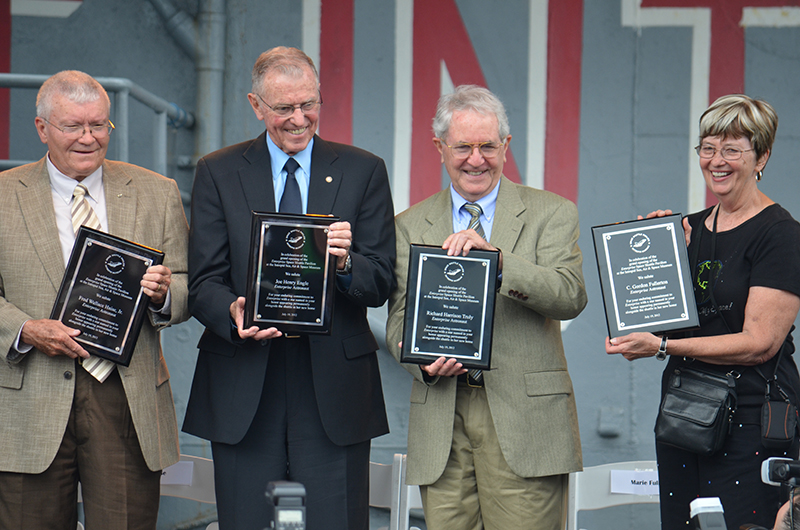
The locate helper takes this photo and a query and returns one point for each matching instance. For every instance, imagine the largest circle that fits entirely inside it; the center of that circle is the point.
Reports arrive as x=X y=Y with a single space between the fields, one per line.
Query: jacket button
x=67 y=375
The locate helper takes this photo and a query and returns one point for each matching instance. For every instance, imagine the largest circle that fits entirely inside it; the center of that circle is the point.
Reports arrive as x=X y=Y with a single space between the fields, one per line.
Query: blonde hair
x=740 y=116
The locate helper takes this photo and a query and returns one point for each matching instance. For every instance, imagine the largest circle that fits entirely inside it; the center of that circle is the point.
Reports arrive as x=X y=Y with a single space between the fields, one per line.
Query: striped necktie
x=84 y=215
x=475 y=211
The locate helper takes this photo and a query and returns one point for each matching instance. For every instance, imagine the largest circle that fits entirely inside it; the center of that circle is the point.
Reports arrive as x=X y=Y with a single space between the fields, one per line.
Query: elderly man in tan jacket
x=494 y=452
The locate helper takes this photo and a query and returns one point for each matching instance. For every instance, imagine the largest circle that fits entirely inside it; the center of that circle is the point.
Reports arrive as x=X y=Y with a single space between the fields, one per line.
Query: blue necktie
x=475 y=211
x=291 y=201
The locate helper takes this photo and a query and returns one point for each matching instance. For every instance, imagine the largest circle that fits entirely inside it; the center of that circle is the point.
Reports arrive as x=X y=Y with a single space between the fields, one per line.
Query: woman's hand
x=634 y=345
x=656 y=213
x=687 y=228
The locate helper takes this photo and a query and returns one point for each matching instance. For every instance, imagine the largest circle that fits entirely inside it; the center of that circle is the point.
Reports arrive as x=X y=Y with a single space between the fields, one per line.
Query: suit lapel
x=36 y=202
x=507 y=225
x=256 y=179
x=120 y=201
x=325 y=178
x=440 y=217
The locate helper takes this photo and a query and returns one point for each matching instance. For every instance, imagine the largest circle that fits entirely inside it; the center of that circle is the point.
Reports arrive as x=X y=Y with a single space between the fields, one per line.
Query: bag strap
x=774 y=378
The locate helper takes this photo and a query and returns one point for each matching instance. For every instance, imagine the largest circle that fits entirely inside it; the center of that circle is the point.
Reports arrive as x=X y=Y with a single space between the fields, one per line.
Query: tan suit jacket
x=529 y=390
x=36 y=391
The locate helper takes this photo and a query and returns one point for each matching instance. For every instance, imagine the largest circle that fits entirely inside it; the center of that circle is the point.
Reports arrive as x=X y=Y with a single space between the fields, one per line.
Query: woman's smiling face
x=730 y=177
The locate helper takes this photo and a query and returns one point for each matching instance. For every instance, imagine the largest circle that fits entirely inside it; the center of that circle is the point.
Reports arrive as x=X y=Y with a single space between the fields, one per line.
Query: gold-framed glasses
x=284 y=110
x=728 y=153
x=487 y=149
x=75 y=131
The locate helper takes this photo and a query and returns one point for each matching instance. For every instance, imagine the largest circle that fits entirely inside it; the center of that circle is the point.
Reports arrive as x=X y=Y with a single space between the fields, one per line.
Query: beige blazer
x=36 y=391
x=529 y=390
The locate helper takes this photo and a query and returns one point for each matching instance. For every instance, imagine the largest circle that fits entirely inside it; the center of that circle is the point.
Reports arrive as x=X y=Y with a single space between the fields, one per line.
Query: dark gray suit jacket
x=347 y=182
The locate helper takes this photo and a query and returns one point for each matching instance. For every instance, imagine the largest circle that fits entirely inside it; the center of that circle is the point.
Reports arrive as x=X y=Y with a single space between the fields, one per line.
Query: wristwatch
x=662 y=350
x=348 y=266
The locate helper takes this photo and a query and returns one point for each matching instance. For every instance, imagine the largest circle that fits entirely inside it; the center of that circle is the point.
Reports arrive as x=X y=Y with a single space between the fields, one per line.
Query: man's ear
x=41 y=129
x=440 y=146
x=256 y=104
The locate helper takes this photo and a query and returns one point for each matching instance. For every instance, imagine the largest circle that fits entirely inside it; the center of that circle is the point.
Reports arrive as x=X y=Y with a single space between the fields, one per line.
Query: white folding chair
x=201 y=487
x=590 y=489
x=388 y=489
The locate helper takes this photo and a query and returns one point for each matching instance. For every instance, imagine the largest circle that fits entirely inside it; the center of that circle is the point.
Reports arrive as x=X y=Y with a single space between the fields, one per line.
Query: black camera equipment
x=288 y=501
x=777 y=471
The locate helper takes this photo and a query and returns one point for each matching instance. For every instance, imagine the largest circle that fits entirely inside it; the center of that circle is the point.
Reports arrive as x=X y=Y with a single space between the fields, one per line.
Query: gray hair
x=470 y=98
x=77 y=87
x=287 y=61
x=740 y=116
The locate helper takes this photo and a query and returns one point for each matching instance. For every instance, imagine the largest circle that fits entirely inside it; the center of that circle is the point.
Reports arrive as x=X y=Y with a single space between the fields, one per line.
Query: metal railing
x=166 y=114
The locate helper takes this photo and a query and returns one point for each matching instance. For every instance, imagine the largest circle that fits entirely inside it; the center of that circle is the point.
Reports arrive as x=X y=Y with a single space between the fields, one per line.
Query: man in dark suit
x=61 y=423
x=279 y=407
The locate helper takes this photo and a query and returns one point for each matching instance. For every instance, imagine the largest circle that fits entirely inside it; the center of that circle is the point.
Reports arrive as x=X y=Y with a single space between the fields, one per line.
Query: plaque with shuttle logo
x=450 y=306
x=291 y=275
x=644 y=276
x=101 y=294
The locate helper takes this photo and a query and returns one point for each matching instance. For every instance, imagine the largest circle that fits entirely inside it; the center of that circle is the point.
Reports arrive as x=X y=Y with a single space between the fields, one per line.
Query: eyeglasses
x=284 y=110
x=728 y=153
x=74 y=132
x=486 y=149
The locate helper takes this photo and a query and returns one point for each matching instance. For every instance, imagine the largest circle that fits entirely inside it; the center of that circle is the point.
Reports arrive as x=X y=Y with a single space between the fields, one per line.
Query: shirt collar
x=278 y=158
x=487 y=202
x=64 y=186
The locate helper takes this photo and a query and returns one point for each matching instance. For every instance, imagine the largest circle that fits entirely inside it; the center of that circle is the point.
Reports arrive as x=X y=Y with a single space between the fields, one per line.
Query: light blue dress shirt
x=461 y=217
x=303 y=174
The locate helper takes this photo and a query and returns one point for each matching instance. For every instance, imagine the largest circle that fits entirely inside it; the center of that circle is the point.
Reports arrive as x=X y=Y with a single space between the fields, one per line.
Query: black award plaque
x=450 y=306
x=101 y=293
x=291 y=275
x=644 y=276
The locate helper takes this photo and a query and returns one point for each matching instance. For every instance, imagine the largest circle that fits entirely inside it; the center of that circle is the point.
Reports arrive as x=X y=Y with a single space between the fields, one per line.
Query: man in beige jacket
x=494 y=451
x=58 y=424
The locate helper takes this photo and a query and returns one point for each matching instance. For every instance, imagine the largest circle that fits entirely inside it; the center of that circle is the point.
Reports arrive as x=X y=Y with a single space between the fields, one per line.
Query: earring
x=759 y=175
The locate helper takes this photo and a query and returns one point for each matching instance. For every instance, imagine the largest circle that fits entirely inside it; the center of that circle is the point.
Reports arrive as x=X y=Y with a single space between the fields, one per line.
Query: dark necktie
x=291 y=201
x=475 y=211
